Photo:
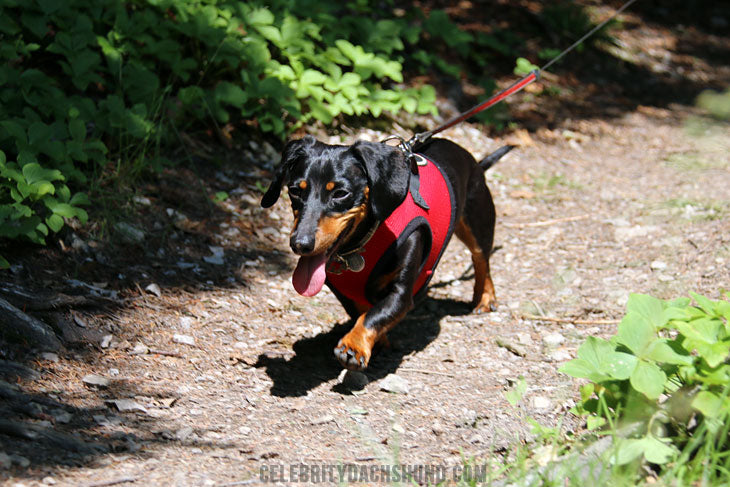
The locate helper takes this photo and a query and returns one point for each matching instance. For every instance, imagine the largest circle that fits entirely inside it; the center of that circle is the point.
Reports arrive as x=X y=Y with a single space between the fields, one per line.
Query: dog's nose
x=302 y=244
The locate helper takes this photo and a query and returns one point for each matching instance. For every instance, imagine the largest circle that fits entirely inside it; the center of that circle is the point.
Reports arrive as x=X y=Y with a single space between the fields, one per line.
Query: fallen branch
x=121 y=480
x=424 y=371
x=575 y=321
x=546 y=223
x=165 y=353
x=18 y=326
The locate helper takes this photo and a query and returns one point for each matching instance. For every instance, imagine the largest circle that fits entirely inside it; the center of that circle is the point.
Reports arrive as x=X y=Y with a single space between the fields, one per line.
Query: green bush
x=666 y=368
x=89 y=87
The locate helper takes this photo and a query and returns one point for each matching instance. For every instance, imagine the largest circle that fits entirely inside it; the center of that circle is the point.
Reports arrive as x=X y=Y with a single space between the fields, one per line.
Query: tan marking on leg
x=484 y=298
x=303 y=184
x=330 y=186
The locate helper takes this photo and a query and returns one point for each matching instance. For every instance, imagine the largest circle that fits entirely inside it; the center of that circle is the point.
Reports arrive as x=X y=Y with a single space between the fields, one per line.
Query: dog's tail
x=492 y=158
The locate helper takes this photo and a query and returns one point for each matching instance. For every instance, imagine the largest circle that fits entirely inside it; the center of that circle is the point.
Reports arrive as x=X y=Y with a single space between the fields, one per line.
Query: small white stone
x=183 y=339
x=540 y=402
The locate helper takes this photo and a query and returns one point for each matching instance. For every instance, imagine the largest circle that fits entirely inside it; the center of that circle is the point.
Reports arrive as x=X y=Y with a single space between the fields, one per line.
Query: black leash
x=409 y=146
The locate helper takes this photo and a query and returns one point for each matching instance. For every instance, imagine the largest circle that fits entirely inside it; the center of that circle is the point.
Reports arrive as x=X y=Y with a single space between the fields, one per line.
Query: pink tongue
x=309 y=275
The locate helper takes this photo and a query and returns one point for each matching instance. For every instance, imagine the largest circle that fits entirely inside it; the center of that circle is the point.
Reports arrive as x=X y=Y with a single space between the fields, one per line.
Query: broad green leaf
x=648 y=307
x=648 y=379
x=312 y=77
x=707 y=305
x=4 y=264
x=703 y=330
x=636 y=332
x=708 y=404
x=595 y=422
x=660 y=351
x=54 y=222
x=34 y=173
x=657 y=451
x=628 y=450
x=619 y=365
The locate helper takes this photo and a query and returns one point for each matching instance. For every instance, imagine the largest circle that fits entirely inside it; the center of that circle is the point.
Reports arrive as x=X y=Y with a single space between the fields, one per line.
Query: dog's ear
x=388 y=175
x=292 y=152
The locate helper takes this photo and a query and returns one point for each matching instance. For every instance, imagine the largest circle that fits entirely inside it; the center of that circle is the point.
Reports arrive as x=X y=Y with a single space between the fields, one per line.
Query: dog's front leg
x=355 y=349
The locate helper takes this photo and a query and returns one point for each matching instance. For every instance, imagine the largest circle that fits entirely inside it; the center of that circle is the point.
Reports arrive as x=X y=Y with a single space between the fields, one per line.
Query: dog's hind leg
x=476 y=230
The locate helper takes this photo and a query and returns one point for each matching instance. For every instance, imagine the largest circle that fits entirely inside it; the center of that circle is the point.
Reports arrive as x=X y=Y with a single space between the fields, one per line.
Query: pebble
x=183 y=433
x=394 y=383
x=62 y=417
x=183 y=339
x=20 y=461
x=658 y=265
x=559 y=356
x=139 y=349
x=553 y=340
x=96 y=380
x=49 y=481
x=540 y=402
x=50 y=356
x=154 y=289
x=244 y=430
x=217 y=257
x=128 y=233
x=106 y=341
x=512 y=346
x=126 y=405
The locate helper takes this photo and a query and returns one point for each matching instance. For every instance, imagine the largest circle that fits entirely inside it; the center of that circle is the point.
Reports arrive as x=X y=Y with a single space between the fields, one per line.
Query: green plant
x=666 y=369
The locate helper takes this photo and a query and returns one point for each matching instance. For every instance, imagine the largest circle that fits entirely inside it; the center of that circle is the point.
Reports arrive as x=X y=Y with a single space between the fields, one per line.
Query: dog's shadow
x=314 y=362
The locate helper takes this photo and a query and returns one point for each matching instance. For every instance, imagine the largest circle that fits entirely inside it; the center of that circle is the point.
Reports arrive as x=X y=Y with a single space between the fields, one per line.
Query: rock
x=186 y=322
x=62 y=417
x=5 y=461
x=183 y=339
x=244 y=430
x=49 y=481
x=106 y=340
x=217 y=257
x=559 y=356
x=353 y=380
x=128 y=233
x=658 y=265
x=398 y=428
x=126 y=405
x=139 y=349
x=20 y=461
x=540 y=402
x=183 y=433
x=524 y=338
x=552 y=340
x=394 y=383
x=438 y=429
x=96 y=380
x=154 y=289
x=50 y=356
x=512 y=346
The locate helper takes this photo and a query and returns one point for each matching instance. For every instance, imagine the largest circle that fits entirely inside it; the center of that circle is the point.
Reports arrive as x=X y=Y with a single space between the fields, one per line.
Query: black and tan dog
x=353 y=230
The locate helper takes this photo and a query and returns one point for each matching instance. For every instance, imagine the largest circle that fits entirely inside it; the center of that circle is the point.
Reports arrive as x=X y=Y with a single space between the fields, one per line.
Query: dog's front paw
x=354 y=349
x=351 y=357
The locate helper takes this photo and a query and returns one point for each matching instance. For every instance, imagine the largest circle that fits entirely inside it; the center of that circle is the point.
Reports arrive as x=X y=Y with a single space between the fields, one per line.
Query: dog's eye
x=340 y=194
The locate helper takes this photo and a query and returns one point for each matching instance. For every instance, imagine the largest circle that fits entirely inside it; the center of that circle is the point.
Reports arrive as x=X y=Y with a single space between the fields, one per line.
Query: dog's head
x=333 y=189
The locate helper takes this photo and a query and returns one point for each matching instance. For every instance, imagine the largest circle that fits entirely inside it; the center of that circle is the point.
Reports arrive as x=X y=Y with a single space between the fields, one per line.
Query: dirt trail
x=230 y=371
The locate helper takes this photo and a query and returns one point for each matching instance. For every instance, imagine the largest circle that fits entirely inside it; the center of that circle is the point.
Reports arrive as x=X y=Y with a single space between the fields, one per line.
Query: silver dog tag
x=355 y=262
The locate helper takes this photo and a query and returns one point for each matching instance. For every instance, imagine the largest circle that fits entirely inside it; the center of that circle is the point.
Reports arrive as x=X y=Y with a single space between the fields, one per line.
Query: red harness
x=439 y=219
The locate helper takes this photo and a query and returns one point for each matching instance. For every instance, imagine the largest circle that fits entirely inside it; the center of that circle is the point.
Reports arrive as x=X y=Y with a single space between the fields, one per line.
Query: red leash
x=514 y=88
